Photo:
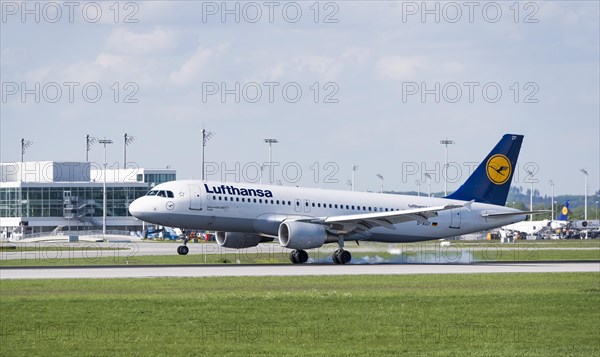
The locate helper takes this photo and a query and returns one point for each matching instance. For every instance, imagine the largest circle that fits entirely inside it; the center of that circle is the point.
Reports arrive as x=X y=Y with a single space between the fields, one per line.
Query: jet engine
x=303 y=235
x=239 y=240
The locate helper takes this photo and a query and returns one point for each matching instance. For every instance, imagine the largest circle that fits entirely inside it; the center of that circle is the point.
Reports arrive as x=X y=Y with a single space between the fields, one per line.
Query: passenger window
x=220 y=198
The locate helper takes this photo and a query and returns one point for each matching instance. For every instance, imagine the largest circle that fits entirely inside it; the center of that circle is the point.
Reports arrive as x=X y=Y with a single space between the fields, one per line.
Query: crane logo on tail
x=498 y=169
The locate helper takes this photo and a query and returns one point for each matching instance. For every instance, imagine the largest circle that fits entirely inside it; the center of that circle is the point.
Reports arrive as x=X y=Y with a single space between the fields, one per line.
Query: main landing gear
x=183 y=249
x=340 y=256
x=298 y=256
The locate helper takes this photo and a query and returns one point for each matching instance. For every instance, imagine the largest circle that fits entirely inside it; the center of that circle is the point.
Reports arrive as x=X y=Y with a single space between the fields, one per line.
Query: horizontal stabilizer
x=508 y=214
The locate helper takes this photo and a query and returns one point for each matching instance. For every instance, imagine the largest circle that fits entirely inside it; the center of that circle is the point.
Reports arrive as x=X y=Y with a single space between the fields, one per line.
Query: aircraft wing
x=365 y=221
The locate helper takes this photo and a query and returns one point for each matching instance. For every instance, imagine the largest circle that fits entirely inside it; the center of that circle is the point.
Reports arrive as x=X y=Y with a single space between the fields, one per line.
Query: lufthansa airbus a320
x=244 y=215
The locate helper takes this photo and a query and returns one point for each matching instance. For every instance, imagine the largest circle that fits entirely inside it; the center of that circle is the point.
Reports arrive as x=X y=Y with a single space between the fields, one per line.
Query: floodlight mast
x=446 y=142
x=25 y=144
x=206 y=136
x=104 y=142
x=271 y=142
x=380 y=177
x=354 y=168
x=531 y=195
x=585 y=176
x=89 y=141
x=552 y=202
x=126 y=141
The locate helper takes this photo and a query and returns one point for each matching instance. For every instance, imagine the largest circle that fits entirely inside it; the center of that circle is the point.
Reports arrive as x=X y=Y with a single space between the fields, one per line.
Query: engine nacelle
x=238 y=240
x=302 y=235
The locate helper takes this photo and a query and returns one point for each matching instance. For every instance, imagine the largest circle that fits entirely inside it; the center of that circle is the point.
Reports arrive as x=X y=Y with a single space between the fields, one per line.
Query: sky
x=375 y=84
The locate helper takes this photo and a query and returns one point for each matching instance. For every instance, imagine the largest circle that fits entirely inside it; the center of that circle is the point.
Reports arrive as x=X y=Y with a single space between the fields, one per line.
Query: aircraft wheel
x=298 y=256
x=183 y=250
x=341 y=256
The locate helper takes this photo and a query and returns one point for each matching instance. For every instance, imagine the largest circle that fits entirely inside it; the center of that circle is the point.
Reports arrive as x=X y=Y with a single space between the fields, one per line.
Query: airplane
x=244 y=215
x=533 y=227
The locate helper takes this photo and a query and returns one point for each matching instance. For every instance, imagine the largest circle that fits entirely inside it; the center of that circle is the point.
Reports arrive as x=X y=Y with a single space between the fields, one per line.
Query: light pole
x=25 y=144
x=380 y=177
x=585 y=176
x=596 y=211
x=552 y=201
x=89 y=141
x=206 y=136
x=418 y=182
x=354 y=168
x=531 y=195
x=428 y=179
x=446 y=142
x=126 y=141
x=271 y=142
x=104 y=142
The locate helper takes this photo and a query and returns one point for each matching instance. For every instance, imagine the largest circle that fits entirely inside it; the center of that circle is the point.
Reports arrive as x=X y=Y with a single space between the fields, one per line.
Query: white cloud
x=158 y=41
x=400 y=68
x=195 y=65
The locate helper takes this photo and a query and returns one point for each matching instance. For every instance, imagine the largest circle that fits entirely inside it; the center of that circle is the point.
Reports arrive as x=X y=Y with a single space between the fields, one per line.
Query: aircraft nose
x=136 y=208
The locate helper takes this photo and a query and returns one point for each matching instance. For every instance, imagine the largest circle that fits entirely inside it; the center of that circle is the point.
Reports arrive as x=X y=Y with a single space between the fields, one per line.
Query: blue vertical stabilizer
x=490 y=182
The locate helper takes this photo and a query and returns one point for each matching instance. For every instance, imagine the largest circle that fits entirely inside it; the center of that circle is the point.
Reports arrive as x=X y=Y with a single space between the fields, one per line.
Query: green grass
x=432 y=315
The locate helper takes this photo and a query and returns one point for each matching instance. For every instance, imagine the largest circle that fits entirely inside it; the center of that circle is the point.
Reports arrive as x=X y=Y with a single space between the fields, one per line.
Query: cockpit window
x=161 y=193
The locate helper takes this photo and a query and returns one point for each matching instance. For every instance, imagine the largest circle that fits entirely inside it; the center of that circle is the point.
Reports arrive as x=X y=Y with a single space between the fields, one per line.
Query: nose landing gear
x=183 y=249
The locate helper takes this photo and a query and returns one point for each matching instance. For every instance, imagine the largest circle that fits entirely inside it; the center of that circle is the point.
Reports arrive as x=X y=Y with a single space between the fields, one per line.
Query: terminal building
x=51 y=196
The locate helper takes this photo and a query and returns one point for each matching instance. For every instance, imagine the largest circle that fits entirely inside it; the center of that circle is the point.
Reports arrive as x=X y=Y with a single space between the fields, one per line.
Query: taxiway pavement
x=290 y=270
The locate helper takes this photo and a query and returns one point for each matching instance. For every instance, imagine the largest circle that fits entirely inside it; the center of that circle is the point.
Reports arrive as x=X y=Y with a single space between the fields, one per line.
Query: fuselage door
x=455 y=218
x=195 y=197
x=306 y=206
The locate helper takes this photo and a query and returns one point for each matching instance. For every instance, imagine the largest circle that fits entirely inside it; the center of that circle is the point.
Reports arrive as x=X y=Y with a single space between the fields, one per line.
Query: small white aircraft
x=245 y=215
x=533 y=227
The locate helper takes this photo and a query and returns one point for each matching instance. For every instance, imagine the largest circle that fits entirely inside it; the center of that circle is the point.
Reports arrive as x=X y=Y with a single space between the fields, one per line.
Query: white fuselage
x=260 y=209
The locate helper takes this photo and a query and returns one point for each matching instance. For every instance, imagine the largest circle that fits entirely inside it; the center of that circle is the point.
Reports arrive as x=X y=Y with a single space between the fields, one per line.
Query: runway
x=289 y=270
x=48 y=251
